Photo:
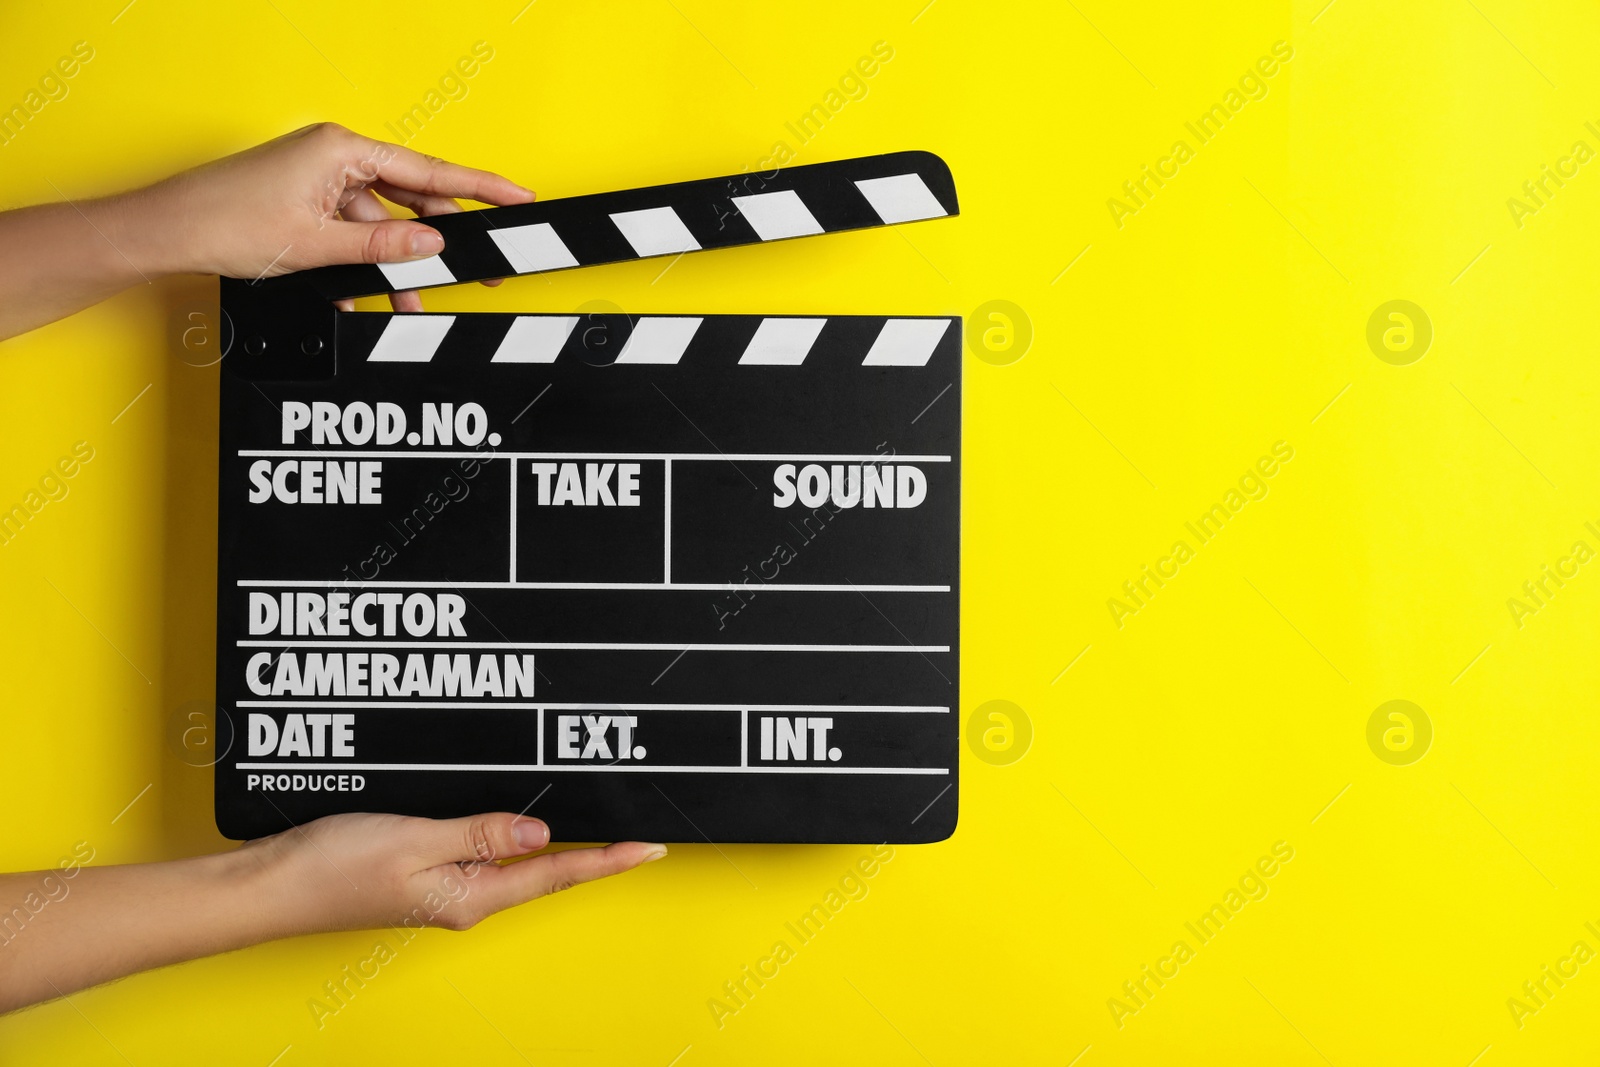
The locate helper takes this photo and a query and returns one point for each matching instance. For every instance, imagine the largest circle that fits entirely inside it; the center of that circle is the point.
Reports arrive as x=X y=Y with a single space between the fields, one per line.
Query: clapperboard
x=666 y=577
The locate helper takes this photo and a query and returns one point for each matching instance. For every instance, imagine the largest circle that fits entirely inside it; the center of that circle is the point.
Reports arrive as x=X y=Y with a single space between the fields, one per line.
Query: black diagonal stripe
x=474 y=337
x=593 y=238
x=947 y=353
x=469 y=250
x=716 y=222
x=721 y=340
x=844 y=342
x=357 y=334
x=597 y=339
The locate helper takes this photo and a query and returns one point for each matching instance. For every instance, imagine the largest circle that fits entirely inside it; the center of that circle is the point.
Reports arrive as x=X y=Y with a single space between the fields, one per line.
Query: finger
x=363 y=206
x=424 y=174
x=421 y=203
x=388 y=241
x=406 y=300
x=479 y=838
x=518 y=883
x=425 y=205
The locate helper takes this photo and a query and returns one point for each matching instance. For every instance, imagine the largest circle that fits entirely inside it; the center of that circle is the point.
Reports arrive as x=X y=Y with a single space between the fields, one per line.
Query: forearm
x=65 y=931
x=56 y=259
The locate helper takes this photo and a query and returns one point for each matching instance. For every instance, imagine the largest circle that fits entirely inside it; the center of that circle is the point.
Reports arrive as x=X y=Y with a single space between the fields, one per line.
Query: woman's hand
x=356 y=872
x=78 y=926
x=308 y=199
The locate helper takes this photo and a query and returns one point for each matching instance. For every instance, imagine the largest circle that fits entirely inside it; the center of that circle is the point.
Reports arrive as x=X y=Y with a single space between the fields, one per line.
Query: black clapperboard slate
x=596 y=568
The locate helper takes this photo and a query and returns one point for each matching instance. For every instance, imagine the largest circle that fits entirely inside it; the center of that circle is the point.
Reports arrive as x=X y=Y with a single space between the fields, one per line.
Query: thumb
x=389 y=241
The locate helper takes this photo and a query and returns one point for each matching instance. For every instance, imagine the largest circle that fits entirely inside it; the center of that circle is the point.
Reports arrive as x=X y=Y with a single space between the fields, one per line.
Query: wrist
x=258 y=887
x=144 y=239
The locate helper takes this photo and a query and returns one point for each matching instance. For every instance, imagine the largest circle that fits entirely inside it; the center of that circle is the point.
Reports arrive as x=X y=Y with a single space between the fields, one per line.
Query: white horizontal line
x=818 y=769
x=691 y=587
x=312 y=453
x=526 y=706
x=589 y=646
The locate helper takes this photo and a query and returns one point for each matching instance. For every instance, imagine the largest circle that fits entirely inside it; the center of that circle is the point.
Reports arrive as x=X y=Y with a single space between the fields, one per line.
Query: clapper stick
x=667 y=577
x=280 y=327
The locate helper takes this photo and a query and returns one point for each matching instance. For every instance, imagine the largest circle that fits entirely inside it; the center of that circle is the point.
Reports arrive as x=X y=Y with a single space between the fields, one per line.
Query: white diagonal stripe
x=655 y=231
x=777 y=215
x=782 y=342
x=417 y=274
x=535 y=339
x=533 y=248
x=901 y=198
x=659 y=340
x=411 y=338
x=906 y=342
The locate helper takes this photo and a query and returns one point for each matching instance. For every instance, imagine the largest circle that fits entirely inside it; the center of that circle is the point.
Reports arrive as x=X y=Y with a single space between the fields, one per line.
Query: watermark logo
x=1399 y=733
x=999 y=332
x=999 y=733
x=1399 y=332
x=199 y=733
x=603 y=329
x=200 y=333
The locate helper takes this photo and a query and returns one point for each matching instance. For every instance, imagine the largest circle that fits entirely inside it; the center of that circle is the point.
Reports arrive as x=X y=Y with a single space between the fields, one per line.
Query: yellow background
x=1224 y=716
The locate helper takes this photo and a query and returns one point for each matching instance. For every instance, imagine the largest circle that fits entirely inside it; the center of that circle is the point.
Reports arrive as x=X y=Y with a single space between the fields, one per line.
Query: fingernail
x=653 y=853
x=531 y=833
x=426 y=243
x=530 y=192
